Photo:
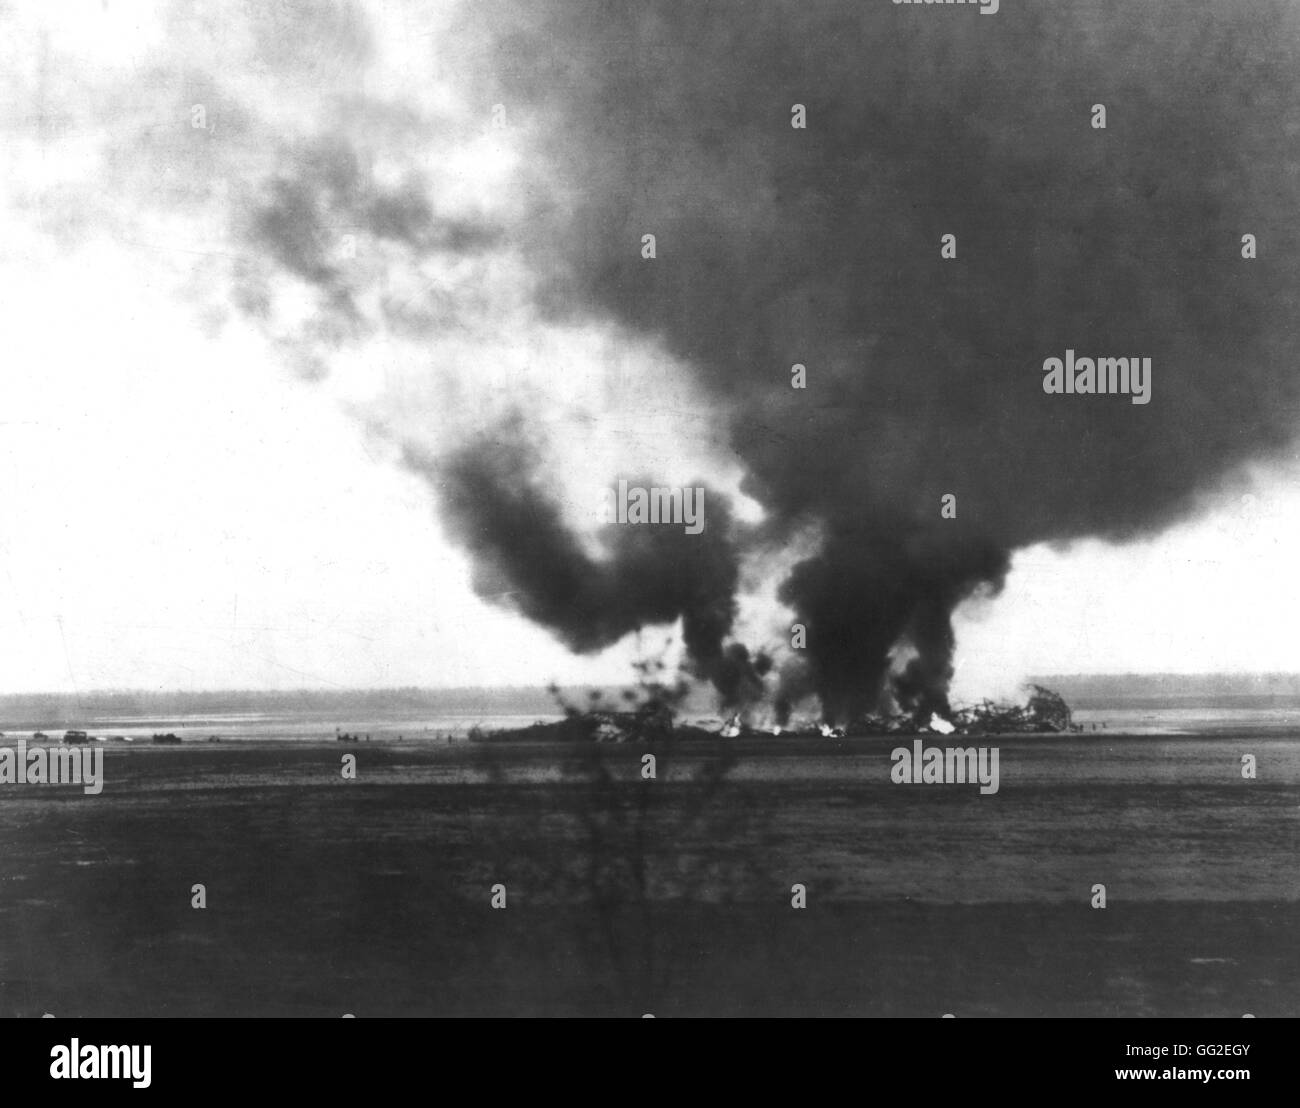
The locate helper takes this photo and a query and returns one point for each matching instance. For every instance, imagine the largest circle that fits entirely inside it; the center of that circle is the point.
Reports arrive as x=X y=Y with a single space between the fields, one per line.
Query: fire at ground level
x=1044 y=712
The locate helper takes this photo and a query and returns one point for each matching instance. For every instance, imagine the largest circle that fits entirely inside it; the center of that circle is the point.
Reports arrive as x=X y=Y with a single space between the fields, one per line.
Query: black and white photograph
x=648 y=508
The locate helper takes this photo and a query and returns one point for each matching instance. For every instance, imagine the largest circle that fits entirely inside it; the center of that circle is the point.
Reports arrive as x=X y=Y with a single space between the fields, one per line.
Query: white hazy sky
x=179 y=509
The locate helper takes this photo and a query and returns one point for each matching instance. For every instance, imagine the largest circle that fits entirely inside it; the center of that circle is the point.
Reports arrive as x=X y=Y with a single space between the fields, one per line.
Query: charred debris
x=652 y=711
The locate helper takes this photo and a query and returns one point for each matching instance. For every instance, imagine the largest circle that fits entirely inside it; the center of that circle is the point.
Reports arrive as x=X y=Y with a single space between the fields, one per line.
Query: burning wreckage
x=1045 y=712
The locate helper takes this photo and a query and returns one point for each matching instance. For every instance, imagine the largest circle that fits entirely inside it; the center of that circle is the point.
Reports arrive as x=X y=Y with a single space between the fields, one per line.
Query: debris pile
x=1045 y=712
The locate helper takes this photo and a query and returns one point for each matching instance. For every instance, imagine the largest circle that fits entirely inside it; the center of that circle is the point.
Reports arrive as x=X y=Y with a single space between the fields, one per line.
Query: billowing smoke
x=775 y=246
x=778 y=245
x=525 y=554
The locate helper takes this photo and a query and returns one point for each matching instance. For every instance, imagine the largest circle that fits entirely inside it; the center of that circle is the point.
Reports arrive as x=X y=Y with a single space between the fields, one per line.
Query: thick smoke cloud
x=513 y=524
x=818 y=246
x=821 y=246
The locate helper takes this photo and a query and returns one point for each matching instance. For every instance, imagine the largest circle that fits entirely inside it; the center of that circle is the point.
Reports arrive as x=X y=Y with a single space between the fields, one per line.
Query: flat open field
x=672 y=896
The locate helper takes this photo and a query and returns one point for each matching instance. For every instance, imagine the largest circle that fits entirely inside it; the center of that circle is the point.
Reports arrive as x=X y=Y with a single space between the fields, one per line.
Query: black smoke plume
x=821 y=246
x=497 y=505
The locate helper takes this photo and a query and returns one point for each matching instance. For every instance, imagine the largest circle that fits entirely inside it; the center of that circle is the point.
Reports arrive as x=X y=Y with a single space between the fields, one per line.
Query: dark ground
x=372 y=897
